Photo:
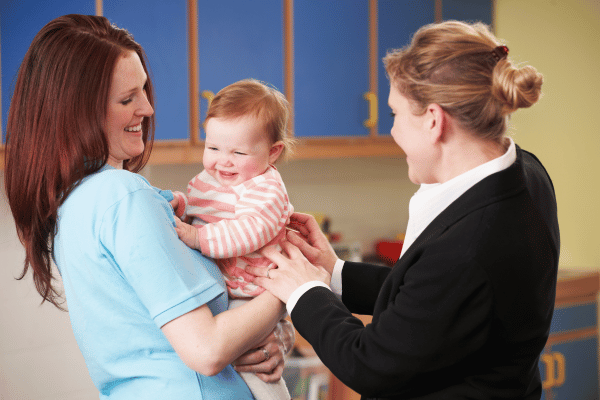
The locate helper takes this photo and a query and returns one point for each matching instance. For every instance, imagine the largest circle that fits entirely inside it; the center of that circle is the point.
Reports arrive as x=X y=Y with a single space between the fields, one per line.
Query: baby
x=238 y=203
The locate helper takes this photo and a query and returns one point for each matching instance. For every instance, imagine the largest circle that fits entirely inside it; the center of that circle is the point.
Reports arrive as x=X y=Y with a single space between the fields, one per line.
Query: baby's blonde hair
x=255 y=98
x=452 y=64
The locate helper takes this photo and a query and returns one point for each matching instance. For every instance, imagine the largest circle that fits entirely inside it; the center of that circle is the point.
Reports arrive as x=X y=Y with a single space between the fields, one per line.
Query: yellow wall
x=561 y=38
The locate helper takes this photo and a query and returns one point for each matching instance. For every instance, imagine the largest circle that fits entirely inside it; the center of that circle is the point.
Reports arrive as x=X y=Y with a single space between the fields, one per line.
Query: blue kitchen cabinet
x=397 y=21
x=20 y=21
x=158 y=26
x=467 y=10
x=331 y=68
x=239 y=39
x=161 y=28
x=569 y=363
x=331 y=58
x=331 y=63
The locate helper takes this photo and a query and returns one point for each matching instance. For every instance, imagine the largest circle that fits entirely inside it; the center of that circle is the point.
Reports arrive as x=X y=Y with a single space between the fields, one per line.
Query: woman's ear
x=275 y=151
x=436 y=122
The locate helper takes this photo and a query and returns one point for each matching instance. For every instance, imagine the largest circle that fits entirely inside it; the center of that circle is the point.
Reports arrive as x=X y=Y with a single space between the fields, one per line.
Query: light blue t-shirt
x=126 y=274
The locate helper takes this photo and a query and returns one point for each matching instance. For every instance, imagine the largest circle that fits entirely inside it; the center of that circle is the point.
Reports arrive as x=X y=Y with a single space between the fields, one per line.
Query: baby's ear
x=275 y=151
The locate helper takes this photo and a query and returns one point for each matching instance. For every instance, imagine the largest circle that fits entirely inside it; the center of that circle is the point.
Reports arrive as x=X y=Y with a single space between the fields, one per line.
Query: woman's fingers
x=272 y=377
x=307 y=250
x=303 y=223
x=291 y=250
x=273 y=254
x=266 y=361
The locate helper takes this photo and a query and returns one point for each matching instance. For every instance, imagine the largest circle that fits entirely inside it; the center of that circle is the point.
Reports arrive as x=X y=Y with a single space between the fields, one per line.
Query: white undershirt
x=425 y=205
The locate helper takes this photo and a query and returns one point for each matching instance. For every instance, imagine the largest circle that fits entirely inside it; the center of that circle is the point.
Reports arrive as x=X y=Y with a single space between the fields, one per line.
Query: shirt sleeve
x=169 y=278
x=336 y=277
x=260 y=215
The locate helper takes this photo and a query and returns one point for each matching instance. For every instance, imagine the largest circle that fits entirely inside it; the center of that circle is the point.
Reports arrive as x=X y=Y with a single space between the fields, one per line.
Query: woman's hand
x=311 y=241
x=293 y=270
x=187 y=233
x=267 y=360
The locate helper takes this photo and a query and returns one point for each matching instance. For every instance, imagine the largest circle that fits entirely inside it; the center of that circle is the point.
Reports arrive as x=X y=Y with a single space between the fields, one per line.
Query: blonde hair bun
x=516 y=87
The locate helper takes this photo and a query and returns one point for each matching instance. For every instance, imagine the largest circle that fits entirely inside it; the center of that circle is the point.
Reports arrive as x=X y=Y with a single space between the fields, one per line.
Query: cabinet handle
x=560 y=368
x=372 y=99
x=555 y=369
x=208 y=95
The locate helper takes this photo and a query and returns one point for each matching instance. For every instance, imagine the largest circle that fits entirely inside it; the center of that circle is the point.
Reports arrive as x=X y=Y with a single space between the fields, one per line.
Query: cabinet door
x=161 y=28
x=570 y=370
x=239 y=39
x=397 y=21
x=467 y=10
x=331 y=50
x=20 y=21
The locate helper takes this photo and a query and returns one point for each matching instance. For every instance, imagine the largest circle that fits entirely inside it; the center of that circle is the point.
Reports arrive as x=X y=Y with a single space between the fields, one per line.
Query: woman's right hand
x=311 y=241
x=267 y=360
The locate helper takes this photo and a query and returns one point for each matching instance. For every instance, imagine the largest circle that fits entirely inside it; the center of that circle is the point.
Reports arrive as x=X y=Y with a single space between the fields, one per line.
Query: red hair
x=55 y=128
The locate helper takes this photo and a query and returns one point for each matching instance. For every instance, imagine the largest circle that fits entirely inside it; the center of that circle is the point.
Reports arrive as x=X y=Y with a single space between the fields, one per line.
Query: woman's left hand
x=293 y=270
x=267 y=360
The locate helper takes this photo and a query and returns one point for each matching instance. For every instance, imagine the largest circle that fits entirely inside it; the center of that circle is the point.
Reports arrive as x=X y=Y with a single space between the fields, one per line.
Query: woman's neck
x=465 y=153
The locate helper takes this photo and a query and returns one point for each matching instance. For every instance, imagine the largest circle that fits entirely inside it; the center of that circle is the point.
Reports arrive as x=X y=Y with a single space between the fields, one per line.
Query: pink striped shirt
x=234 y=222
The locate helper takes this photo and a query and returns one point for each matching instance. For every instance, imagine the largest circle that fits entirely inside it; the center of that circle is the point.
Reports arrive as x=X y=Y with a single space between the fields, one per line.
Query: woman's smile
x=135 y=128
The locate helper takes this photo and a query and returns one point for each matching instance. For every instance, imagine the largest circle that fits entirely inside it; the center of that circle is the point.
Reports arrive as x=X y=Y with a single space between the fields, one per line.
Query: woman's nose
x=145 y=107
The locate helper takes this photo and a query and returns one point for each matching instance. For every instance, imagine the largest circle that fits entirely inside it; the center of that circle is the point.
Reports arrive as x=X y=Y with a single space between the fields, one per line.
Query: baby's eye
x=240 y=153
x=212 y=148
x=392 y=114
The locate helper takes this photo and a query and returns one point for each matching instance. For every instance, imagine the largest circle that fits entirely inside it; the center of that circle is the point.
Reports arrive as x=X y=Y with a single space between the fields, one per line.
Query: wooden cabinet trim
x=184 y=152
x=574 y=288
x=571 y=336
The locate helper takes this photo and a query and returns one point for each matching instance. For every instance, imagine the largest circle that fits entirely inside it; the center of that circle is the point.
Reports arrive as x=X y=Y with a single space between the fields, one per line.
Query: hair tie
x=500 y=53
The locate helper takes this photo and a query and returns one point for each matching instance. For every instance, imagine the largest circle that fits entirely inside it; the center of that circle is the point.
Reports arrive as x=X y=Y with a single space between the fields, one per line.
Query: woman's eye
x=125 y=102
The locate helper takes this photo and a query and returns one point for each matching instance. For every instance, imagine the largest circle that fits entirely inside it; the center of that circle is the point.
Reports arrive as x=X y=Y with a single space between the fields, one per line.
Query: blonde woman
x=466 y=310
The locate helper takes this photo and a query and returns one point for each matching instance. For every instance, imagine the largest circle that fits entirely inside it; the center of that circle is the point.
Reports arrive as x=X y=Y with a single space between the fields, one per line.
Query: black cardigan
x=466 y=311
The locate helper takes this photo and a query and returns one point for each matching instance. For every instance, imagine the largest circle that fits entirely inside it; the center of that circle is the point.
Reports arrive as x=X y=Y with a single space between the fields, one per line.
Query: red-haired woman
x=465 y=312
x=148 y=313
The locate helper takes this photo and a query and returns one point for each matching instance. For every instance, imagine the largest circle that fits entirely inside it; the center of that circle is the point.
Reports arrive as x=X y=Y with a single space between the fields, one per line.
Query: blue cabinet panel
x=579 y=376
x=20 y=21
x=160 y=27
x=572 y=318
x=239 y=39
x=397 y=20
x=467 y=10
x=331 y=53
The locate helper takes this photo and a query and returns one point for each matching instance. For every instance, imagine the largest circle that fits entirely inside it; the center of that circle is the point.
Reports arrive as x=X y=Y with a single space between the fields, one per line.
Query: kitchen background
x=366 y=198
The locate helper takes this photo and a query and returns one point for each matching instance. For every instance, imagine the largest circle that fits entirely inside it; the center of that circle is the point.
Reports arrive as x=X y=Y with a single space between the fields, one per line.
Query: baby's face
x=235 y=150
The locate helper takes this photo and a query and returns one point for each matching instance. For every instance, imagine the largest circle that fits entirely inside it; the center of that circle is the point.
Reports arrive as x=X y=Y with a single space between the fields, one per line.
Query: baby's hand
x=174 y=203
x=178 y=203
x=187 y=233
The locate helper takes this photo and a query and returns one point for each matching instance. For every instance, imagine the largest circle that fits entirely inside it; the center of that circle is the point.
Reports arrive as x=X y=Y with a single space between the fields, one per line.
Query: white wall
x=39 y=358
